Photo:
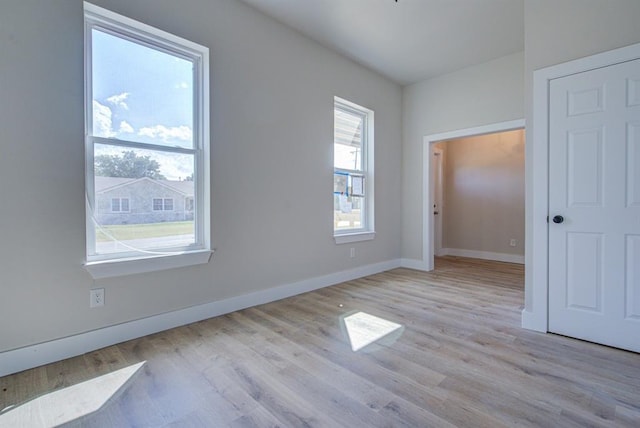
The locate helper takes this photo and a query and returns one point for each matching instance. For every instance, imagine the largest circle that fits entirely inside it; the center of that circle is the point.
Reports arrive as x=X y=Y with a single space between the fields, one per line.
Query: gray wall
x=271 y=138
x=558 y=31
x=484 y=94
x=484 y=193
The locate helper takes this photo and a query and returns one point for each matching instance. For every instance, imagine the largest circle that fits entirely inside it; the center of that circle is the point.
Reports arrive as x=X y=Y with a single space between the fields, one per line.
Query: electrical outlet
x=352 y=252
x=96 y=297
x=512 y=243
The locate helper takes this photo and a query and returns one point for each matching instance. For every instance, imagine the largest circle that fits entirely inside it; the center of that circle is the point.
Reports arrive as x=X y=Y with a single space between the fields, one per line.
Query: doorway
x=481 y=181
x=429 y=142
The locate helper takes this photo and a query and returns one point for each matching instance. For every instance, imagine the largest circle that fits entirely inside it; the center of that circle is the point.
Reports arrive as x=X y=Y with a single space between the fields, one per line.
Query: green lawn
x=125 y=232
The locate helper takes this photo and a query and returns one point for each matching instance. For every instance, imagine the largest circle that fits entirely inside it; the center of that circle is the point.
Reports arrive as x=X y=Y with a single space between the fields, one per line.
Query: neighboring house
x=142 y=200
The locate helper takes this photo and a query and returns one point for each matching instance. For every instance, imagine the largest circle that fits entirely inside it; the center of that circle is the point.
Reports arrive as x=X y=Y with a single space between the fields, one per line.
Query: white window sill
x=121 y=267
x=346 y=238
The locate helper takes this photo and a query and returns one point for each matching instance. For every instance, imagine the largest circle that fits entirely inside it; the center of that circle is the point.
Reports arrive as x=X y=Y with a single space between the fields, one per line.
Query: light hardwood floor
x=461 y=360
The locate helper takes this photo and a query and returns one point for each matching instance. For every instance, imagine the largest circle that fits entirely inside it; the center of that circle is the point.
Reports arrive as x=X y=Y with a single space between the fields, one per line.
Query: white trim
x=536 y=312
x=44 y=353
x=427 y=202
x=120 y=267
x=153 y=38
x=368 y=165
x=109 y=19
x=347 y=238
x=412 y=264
x=484 y=255
x=439 y=204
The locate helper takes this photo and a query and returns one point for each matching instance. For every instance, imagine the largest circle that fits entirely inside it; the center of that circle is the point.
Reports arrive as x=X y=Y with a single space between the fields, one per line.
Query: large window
x=147 y=136
x=352 y=172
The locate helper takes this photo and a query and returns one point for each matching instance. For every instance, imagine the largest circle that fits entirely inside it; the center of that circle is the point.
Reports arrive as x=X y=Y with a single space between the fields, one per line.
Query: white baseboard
x=413 y=264
x=47 y=352
x=532 y=321
x=485 y=255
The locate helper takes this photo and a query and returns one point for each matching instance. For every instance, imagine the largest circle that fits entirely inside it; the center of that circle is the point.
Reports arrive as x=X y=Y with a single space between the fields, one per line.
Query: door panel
x=633 y=92
x=633 y=165
x=584 y=101
x=594 y=183
x=584 y=167
x=584 y=280
x=632 y=278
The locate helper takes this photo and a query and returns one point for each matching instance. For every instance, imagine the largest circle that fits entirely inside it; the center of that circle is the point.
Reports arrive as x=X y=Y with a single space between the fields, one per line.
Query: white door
x=436 y=167
x=594 y=205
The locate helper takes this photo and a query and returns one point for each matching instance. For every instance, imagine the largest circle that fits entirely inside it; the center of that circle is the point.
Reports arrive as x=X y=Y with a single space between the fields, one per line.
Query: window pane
x=347 y=148
x=151 y=188
x=168 y=204
x=140 y=94
x=115 y=205
x=347 y=212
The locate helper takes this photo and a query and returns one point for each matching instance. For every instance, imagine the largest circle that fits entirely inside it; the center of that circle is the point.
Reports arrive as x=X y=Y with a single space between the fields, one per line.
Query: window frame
x=124 y=263
x=189 y=204
x=367 y=229
x=163 y=204
x=120 y=210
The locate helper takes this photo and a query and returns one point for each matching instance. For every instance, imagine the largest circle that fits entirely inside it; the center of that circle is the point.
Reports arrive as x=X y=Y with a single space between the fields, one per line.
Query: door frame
x=438 y=184
x=535 y=315
x=427 y=201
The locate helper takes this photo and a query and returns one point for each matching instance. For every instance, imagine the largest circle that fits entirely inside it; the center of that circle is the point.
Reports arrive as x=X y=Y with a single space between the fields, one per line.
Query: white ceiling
x=410 y=40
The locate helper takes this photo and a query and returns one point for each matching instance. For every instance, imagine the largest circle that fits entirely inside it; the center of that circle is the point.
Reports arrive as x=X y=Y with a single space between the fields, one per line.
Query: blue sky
x=143 y=95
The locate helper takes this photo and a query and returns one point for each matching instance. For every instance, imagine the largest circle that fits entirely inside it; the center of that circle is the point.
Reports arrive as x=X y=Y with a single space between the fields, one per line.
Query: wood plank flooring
x=461 y=360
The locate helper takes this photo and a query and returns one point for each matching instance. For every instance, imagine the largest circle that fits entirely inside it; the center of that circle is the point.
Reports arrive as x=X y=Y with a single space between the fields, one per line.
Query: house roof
x=103 y=184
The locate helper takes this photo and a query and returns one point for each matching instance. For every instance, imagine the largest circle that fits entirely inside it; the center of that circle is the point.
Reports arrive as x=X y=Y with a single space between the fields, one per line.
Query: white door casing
x=438 y=208
x=594 y=184
x=426 y=263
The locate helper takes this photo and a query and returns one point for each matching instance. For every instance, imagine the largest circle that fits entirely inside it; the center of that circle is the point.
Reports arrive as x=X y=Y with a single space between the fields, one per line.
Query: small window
x=162 y=204
x=168 y=204
x=157 y=204
x=188 y=204
x=353 y=170
x=146 y=124
x=120 y=205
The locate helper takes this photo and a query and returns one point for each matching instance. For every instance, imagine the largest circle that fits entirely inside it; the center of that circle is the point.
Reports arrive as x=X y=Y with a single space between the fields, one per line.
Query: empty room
x=262 y=213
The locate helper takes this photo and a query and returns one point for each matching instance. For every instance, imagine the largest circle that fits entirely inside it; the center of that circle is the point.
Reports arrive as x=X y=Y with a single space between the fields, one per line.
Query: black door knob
x=558 y=219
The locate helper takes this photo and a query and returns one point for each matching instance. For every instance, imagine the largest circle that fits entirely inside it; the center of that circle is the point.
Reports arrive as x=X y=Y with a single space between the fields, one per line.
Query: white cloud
x=102 y=125
x=182 y=85
x=174 y=166
x=164 y=133
x=125 y=128
x=119 y=100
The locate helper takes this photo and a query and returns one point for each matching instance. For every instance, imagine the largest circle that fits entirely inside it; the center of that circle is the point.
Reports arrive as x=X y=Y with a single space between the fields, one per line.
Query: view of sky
x=143 y=95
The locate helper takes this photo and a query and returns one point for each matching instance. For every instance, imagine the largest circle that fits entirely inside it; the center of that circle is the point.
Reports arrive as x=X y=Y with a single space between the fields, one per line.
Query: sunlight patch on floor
x=364 y=329
x=68 y=404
